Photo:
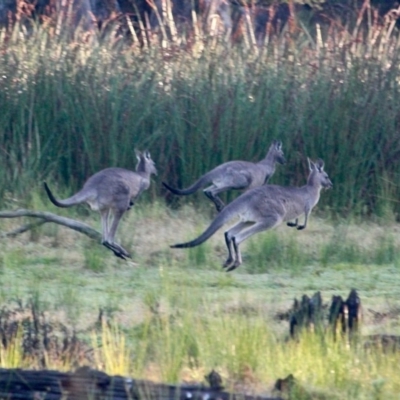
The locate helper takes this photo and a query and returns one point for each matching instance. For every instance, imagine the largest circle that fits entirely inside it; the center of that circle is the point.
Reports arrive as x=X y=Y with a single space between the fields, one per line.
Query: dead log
x=84 y=383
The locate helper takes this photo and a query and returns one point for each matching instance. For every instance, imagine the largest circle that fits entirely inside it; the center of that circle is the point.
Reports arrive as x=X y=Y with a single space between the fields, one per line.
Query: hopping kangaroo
x=112 y=192
x=264 y=208
x=235 y=175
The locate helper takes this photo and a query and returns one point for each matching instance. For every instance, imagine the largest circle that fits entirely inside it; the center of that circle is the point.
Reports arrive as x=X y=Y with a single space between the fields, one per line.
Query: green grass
x=94 y=258
x=170 y=319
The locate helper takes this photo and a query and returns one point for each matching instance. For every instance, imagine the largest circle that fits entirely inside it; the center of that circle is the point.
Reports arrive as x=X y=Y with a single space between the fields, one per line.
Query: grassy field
x=176 y=314
x=72 y=106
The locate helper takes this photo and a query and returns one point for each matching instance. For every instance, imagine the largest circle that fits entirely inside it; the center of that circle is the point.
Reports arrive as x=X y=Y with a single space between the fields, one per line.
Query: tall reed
x=73 y=106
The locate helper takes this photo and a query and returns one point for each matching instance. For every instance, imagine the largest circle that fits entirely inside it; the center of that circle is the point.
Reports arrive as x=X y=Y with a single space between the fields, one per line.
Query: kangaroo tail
x=191 y=189
x=71 y=201
x=224 y=216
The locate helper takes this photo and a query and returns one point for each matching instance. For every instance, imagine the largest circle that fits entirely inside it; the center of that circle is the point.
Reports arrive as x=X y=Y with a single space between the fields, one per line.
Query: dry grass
x=178 y=319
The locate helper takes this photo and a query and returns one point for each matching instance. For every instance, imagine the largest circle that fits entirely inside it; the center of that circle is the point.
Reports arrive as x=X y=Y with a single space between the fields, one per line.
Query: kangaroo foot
x=300 y=227
x=219 y=204
x=118 y=250
x=293 y=224
x=219 y=207
x=228 y=263
x=233 y=266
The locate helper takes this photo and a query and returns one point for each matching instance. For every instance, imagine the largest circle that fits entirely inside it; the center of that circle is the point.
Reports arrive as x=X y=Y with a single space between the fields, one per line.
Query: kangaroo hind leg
x=306 y=215
x=105 y=216
x=230 y=180
x=267 y=223
x=229 y=234
x=238 y=256
x=108 y=240
x=211 y=192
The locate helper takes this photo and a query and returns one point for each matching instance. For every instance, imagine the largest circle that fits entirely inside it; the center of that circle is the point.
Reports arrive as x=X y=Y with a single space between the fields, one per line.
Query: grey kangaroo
x=263 y=208
x=112 y=191
x=236 y=175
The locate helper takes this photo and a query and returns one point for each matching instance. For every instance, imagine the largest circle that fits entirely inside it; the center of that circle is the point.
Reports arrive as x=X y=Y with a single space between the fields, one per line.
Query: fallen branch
x=45 y=217
x=22 y=229
x=87 y=383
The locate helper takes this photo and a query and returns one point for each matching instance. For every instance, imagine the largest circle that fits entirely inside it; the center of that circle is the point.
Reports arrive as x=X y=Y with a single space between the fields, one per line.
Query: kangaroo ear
x=138 y=154
x=320 y=165
x=278 y=144
x=147 y=154
x=311 y=165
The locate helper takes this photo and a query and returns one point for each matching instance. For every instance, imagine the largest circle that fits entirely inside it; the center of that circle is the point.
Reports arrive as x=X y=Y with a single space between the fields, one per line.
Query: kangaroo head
x=318 y=175
x=145 y=163
x=276 y=149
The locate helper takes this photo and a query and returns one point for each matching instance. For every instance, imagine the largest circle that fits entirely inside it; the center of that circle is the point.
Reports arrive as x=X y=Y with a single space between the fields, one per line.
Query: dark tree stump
x=310 y=314
x=346 y=315
x=307 y=314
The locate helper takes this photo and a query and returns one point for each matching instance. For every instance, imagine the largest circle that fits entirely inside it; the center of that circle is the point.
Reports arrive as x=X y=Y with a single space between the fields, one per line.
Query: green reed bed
x=71 y=107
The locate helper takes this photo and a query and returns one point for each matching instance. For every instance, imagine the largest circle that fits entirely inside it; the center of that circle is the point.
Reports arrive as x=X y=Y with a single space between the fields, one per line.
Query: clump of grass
x=387 y=251
x=273 y=250
x=14 y=259
x=68 y=301
x=270 y=251
x=199 y=255
x=224 y=280
x=111 y=352
x=95 y=259
x=340 y=250
x=1 y=264
x=11 y=354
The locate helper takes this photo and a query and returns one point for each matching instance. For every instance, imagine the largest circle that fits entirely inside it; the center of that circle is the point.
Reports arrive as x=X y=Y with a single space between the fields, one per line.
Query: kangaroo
x=112 y=191
x=263 y=208
x=236 y=175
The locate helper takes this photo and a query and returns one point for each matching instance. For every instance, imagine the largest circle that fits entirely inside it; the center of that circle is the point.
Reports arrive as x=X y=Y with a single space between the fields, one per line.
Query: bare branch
x=22 y=229
x=48 y=217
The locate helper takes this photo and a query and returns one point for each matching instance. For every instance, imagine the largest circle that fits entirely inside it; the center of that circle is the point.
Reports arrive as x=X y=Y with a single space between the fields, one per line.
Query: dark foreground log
x=87 y=383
